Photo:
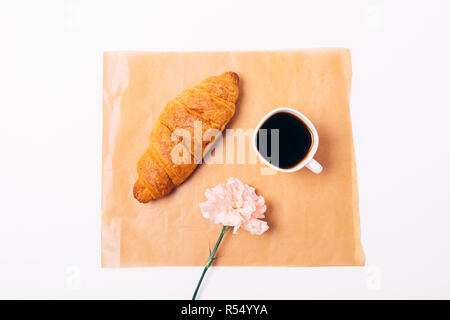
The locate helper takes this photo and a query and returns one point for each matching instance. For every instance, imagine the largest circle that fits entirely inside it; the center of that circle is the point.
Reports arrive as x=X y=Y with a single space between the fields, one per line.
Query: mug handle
x=314 y=166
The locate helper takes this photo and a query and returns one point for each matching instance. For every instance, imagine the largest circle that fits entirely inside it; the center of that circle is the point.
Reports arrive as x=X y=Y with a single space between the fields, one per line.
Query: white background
x=50 y=141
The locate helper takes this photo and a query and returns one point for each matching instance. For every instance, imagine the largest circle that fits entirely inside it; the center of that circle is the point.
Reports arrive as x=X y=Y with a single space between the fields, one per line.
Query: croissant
x=213 y=103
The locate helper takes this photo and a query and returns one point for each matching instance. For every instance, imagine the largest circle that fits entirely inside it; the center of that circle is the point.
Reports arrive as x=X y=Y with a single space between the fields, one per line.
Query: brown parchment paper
x=313 y=219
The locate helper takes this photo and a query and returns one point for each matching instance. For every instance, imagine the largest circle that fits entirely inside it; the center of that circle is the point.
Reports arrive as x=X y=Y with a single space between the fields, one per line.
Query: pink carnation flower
x=235 y=204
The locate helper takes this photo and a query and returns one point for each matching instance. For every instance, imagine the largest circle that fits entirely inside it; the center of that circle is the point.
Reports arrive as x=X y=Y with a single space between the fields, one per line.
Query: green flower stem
x=210 y=259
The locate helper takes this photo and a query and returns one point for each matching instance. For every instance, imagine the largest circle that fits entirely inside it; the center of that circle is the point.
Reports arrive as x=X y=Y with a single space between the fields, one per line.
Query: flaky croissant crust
x=213 y=103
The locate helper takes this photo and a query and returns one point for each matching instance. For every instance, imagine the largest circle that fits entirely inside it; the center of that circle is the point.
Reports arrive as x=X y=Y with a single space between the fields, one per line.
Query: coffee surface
x=294 y=140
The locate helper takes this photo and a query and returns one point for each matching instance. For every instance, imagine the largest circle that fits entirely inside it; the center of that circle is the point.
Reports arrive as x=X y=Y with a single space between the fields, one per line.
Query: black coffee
x=294 y=140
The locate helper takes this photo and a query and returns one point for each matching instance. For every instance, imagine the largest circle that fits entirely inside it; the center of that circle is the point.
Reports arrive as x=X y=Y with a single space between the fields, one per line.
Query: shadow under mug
x=308 y=160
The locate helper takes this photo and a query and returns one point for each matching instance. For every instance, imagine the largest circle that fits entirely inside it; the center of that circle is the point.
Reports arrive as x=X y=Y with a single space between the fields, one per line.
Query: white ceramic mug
x=308 y=161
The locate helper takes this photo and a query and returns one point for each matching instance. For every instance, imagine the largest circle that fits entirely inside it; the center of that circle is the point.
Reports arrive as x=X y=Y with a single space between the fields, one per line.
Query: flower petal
x=235 y=204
